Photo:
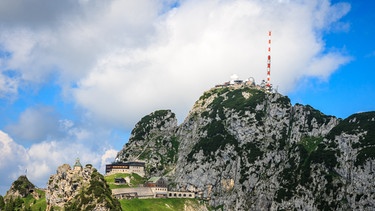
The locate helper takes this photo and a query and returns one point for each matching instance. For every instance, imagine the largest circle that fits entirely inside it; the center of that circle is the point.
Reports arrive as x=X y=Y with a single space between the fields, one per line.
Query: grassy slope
x=135 y=180
x=34 y=204
x=156 y=204
x=146 y=204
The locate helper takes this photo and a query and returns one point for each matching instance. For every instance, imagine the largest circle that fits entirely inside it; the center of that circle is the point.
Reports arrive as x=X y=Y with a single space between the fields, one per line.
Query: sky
x=77 y=75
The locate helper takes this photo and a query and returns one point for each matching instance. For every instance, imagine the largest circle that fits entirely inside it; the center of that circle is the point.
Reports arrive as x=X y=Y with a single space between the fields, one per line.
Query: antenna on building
x=269 y=61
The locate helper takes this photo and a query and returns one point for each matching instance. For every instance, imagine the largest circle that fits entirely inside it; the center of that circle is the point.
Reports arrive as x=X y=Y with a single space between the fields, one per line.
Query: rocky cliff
x=243 y=148
x=153 y=140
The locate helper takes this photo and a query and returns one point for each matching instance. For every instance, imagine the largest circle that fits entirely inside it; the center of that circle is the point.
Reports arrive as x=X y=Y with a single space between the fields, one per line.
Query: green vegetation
x=14 y=204
x=143 y=126
x=154 y=140
x=25 y=203
x=217 y=138
x=289 y=181
x=135 y=180
x=365 y=154
x=253 y=152
x=317 y=115
x=217 y=135
x=283 y=101
x=325 y=155
x=97 y=192
x=160 y=141
x=311 y=150
x=34 y=204
x=156 y=204
x=235 y=100
x=23 y=185
x=2 y=203
x=311 y=143
x=355 y=124
x=172 y=153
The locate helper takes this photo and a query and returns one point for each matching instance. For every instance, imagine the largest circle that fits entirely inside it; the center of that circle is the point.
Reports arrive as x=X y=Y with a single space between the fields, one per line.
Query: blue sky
x=351 y=88
x=76 y=76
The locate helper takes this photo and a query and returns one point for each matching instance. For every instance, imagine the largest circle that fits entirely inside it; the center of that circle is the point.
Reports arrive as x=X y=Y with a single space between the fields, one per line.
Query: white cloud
x=11 y=161
x=41 y=160
x=108 y=157
x=202 y=43
x=10 y=151
x=127 y=58
x=8 y=86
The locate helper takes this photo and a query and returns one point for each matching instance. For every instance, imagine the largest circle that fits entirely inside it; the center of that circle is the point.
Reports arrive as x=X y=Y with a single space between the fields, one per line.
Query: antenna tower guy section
x=269 y=61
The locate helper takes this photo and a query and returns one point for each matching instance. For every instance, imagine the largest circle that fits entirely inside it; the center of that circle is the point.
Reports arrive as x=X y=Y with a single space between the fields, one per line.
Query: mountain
x=242 y=147
x=20 y=188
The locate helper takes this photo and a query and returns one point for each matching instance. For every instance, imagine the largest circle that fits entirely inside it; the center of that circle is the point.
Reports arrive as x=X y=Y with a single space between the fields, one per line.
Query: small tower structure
x=268 y=84
x=77 y=166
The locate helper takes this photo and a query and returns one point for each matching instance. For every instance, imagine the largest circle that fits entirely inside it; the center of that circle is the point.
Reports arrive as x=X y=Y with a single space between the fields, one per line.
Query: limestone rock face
x=79 y=189
x=64 y=185
x=242 y=148
x=153 y=140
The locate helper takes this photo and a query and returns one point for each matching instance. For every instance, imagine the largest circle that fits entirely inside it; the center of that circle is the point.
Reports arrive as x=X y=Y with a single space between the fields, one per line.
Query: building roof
x=131 y=163
x=153 y=179
x=77 y=164
x=141 y=191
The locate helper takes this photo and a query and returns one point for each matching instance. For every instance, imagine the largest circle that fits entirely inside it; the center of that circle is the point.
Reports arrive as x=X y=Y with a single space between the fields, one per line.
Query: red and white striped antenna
x=269 y=61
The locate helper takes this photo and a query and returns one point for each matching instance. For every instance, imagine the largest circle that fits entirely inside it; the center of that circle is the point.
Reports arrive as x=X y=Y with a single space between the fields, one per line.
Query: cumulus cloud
x=128 y=58
x=41 y=160
x=202 y=43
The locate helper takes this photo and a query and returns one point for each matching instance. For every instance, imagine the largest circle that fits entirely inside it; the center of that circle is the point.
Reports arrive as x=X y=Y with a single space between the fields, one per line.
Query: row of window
x=162 y=189
x=120 y=167
x=180 y=195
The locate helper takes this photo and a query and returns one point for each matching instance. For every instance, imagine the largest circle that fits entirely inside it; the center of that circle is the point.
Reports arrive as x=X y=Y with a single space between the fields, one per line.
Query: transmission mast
x=268 y=84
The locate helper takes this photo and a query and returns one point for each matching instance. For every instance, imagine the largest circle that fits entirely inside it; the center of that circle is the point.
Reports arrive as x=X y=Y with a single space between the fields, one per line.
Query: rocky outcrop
x=20 y=188
x=153 y=140
x=22 y=195
x=79 y=189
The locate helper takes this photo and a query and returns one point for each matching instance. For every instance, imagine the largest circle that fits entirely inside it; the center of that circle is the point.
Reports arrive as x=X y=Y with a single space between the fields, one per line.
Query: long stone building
x=137 y=167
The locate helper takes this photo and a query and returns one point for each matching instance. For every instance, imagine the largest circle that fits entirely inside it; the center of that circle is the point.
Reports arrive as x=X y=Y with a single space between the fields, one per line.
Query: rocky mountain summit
x=243 y=148
x=80 y=188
